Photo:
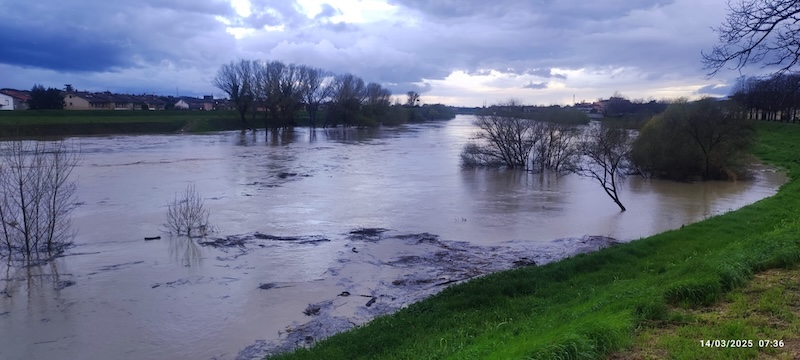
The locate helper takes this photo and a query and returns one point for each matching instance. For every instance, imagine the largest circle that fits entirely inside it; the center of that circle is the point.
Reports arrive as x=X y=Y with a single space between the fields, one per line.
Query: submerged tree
x=508 y=142
x=38 y=196
x=556 y=148
x=187 y=215
x=606 y=150
x=508 y=139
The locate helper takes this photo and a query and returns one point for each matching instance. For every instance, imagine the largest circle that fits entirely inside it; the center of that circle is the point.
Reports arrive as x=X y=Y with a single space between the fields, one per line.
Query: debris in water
x=267 y=286
x=64 y=284
x=312 y=309
x=523 y=261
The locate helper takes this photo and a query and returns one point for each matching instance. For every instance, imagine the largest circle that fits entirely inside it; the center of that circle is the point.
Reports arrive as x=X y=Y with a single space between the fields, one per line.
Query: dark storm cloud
x=72 y=51
x=100 y=35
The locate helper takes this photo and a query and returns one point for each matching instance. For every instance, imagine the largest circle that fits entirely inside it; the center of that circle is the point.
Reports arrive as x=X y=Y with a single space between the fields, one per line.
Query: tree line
x=274 y=93
x=774 y=98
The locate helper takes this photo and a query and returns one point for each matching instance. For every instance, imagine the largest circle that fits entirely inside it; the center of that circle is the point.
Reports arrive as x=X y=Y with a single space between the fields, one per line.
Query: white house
x=6 y=102
x=11 y=99
x=181 y=104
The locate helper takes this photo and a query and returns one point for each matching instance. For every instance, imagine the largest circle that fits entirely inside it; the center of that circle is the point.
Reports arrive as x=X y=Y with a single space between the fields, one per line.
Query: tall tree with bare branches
x=606 y=151
x=236 y=80
x=37 y=198
x=315 y=88
x=757 y=31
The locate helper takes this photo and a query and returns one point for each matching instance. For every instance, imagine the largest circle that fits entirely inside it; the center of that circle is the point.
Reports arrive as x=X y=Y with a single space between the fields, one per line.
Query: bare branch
x=757 y=31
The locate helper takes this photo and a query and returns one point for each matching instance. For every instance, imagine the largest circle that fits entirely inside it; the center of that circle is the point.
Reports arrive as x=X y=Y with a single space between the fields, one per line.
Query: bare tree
x=315 y=88
x=508 y=141
x=556 y=147
x=187 y=215
x=347 y=96
x=236 y=79
x=281 y=89
x=37 y=197
x=378 y=99
x=776 y=98
x=757 y=31
x=412 y=98
x=606 y=151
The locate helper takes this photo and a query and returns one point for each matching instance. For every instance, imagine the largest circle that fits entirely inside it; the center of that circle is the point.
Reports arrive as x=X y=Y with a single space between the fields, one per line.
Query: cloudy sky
x=458 y=52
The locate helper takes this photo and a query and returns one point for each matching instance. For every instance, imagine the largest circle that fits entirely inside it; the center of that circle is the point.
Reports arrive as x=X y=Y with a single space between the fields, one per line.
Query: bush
x=706 y=139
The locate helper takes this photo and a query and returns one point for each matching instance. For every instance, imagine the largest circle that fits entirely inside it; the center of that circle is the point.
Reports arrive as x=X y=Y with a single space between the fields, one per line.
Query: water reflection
x=185 y=251
x=281 y=137
x=37 y=286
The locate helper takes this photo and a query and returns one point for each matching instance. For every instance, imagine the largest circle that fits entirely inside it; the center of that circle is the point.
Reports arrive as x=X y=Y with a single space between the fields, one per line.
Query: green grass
x=79 y=122
x=589 y=306
x=767 y=308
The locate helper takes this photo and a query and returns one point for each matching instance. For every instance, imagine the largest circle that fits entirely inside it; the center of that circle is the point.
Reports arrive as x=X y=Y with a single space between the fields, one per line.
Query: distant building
x=75 y=100
x=592 y=110
x=6 y=102
x=190 y=103
x=11 y=99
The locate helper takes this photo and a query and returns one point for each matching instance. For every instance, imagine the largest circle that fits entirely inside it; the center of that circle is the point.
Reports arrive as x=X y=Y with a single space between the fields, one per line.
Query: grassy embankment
x=76 y=122
x=597 y=304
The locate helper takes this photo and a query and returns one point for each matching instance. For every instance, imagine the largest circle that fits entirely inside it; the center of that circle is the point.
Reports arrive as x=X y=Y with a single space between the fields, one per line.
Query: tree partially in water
x=187 y=215
x=38 y=196
x=606 y=150
x=510 y=139
x=507 y=141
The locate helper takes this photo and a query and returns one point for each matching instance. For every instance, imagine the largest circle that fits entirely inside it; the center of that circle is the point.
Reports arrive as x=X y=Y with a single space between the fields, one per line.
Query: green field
x=614 y=301
x=76 y=122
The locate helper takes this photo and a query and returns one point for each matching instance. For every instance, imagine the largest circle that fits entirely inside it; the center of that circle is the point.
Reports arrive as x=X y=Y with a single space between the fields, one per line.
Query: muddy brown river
x=315 y=232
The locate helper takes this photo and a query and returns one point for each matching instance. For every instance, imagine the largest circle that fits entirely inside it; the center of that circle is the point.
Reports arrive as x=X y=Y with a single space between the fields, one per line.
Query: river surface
x=116 y=296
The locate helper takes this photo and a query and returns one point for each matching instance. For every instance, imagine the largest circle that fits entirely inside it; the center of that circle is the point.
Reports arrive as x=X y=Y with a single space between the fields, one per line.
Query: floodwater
x=116 y=296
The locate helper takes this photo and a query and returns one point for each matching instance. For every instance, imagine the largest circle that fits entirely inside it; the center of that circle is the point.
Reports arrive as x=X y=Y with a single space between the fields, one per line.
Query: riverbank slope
x=591 y=305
